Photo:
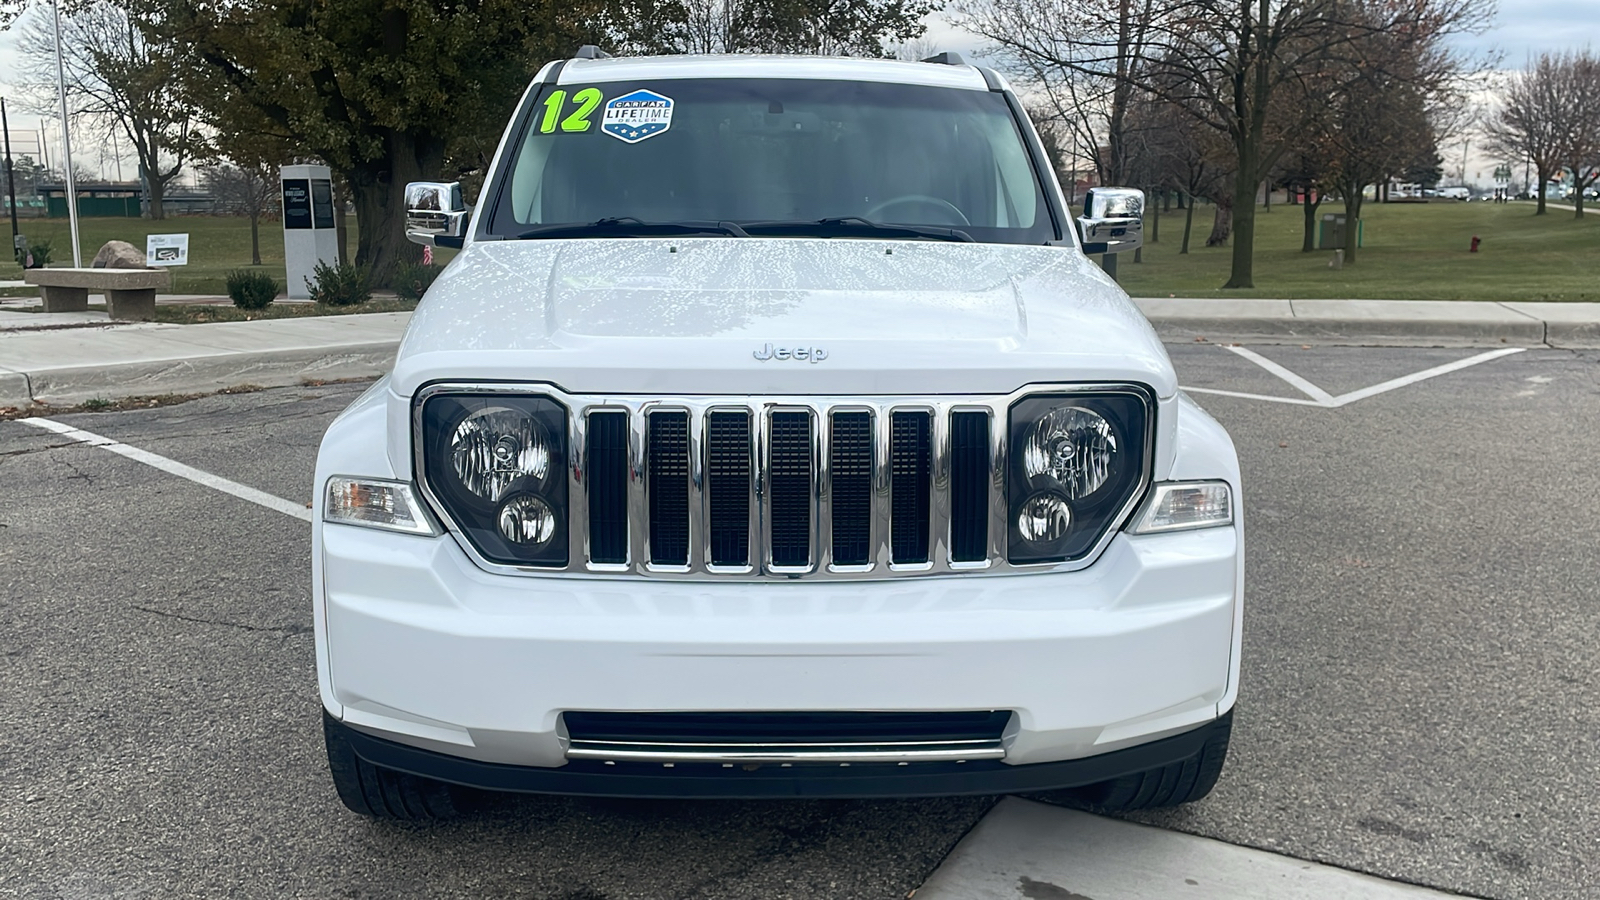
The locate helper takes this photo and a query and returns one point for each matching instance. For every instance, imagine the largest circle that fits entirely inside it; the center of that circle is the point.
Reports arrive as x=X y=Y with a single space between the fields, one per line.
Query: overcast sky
x=1522 y=28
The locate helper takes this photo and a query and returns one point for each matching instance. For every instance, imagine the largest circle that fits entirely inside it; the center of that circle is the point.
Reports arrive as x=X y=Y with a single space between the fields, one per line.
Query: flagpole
x=66 y=141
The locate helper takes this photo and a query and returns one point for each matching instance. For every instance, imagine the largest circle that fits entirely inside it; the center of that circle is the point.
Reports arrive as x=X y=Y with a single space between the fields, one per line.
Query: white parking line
x=1027 y=849
x=1425 y=374
x=1295 y=381
x=1322 y=398
x=1294 y=400
x=173 y=467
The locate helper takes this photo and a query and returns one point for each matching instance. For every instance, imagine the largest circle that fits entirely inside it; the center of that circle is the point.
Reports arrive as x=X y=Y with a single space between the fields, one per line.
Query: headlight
x=1077 y=462
x=493 y=448
x=496 y=464
x=1072 y=445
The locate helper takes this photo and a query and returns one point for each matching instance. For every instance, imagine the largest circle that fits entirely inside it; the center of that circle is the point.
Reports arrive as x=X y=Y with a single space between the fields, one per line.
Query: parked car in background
x=1456 y=192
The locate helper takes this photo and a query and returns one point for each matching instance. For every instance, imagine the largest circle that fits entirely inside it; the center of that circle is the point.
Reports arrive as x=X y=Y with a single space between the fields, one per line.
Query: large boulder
x=118 y=255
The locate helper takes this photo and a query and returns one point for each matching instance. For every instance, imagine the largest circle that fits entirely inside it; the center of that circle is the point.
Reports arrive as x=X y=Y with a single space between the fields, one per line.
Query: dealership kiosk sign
x=309 y=236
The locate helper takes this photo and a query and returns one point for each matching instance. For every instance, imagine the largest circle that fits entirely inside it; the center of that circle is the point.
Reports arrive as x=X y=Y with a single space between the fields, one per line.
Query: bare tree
x=246 y=190
x=1176 y=152
x=1085 y=57
x=1528 y=123
x=828 y=27
x=1227 y=62
x=1578 y=125
x=117 y=78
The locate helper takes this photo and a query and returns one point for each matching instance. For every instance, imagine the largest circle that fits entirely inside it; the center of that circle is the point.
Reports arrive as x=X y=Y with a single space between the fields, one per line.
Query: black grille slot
x=969 y=486
x=728 y=483
x=789 y=488
x=785 y=727
x=668 y=452
x=850 y=465
x=608 y=487
x=910 y=452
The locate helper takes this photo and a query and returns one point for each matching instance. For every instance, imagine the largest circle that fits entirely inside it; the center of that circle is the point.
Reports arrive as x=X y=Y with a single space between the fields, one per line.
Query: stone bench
x=130 y=293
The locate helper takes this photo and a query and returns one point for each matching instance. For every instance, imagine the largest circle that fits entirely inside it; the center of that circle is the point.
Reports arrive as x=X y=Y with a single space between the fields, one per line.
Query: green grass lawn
x=1411 y=252
x=216 y=245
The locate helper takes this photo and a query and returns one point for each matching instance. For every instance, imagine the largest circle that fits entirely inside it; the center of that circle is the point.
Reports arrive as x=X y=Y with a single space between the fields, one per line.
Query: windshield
x=754 y=152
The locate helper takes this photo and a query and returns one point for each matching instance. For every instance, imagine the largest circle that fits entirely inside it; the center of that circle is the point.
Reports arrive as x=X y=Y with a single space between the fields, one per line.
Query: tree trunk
x=1222 y=229
x=158 y=193
x=1352 y=220
x=341 y=227
x=1241 y=221
x=379 y=189
x=1155 y=221
x=1544 y=181
x=1188 y=221
x=1309 y=243
x=255 y=237
x=1266 y=196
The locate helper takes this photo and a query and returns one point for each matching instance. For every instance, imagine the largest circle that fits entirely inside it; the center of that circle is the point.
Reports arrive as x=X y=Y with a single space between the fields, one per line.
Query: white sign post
x=166 y=250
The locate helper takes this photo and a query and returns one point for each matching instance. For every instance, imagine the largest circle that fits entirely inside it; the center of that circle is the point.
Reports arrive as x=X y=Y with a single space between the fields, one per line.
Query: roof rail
x=590 y=51
x=947 y=58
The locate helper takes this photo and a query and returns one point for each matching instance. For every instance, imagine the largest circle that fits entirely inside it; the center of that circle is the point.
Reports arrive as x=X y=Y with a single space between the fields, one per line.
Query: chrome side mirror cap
x=436 y=216
x=1112 y=220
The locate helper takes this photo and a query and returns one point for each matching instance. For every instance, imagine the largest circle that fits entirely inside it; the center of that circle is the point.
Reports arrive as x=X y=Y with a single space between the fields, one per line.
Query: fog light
x=376 y=504
x=1044 y=518
x=526 y=519
x=1179 y=506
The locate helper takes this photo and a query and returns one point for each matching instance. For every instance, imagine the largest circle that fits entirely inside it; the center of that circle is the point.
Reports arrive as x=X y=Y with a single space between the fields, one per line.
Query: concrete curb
x=1383 y=323
x=14 y=390
x=272 y=368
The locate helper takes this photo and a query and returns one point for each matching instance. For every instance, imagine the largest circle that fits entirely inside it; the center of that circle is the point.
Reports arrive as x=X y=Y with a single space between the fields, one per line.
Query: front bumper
x=420 y=649
x=704 y=781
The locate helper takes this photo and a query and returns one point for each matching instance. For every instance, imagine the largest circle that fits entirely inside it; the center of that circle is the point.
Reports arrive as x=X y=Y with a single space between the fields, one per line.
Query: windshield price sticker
x=637 y=116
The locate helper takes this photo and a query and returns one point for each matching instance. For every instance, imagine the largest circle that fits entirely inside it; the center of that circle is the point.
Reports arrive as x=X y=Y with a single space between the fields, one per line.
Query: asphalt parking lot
x=1421 y=693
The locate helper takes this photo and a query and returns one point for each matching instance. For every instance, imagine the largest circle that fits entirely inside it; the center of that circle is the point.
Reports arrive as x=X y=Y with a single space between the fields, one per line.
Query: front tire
x=383 y=793
x=1171 y=785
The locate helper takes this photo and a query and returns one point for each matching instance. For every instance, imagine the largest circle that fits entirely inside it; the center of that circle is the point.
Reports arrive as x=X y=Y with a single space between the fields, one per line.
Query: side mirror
x=1112 y=220
x=435 y=214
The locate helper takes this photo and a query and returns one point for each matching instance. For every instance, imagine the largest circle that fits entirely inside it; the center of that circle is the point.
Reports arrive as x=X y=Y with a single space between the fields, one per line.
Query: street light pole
x=11 y=173
x=66 y=141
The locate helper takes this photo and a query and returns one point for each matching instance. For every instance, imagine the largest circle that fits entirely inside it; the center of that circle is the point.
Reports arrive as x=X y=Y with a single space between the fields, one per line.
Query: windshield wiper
x=852 y=226
x=628 y=226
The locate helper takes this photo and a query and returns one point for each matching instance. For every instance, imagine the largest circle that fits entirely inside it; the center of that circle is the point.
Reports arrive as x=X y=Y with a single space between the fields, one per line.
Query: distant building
x=120 y=199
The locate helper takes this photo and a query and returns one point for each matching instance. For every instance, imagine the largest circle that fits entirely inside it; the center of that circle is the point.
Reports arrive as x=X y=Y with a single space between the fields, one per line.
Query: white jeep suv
x=773 y=435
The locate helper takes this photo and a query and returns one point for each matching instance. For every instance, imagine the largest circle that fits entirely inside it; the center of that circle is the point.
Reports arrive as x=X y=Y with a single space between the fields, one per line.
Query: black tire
x=1169 y=785
x=384 y=793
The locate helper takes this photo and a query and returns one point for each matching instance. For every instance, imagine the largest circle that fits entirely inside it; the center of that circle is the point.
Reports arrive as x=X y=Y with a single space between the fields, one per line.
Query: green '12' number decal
x=578 y=120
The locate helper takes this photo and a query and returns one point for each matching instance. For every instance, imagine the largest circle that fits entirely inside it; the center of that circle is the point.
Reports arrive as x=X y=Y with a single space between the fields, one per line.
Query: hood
x=727 y=315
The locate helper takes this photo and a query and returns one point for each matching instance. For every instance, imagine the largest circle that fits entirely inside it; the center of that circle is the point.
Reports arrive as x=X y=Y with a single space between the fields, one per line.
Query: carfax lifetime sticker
x=637 y=116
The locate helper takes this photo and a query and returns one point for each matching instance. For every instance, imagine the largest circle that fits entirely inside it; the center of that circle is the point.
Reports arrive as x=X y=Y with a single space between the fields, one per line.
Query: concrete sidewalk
x=68 y=365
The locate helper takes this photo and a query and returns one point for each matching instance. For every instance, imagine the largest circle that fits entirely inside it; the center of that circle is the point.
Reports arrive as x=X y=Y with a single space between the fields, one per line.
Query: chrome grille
x=790 y=487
